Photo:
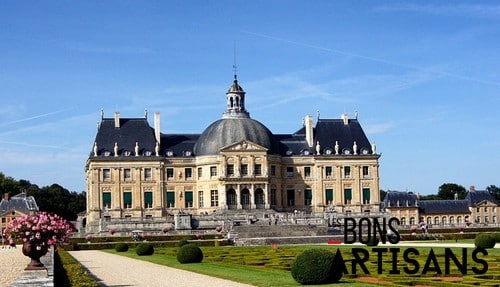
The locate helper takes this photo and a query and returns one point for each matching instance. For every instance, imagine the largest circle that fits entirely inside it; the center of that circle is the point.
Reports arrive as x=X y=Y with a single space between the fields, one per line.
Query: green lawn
x=267 y=266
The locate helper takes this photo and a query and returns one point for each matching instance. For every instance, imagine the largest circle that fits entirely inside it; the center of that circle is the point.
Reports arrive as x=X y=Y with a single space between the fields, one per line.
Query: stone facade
x=135 y=173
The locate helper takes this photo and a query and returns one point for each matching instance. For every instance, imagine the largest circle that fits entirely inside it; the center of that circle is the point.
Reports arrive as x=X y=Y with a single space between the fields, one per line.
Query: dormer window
x=187 y=153
x=127 y=153
x=170 y=153
x=328 y=151
x=107 y=153
x=364 y=151
x=346 y=151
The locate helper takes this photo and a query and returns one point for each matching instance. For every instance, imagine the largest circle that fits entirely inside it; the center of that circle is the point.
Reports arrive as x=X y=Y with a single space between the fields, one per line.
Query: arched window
x=459 y=219
x=452 y=220
x=443 y=220
x=403 y=220
x=412 y=220
x=436 y=220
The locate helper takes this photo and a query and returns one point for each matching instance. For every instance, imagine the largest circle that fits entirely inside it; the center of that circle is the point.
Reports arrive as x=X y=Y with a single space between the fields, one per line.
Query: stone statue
x=336 y=147
x=318 y=148
x=95 y=149
x=355 y=148
x=115 y=149
x=136 y=149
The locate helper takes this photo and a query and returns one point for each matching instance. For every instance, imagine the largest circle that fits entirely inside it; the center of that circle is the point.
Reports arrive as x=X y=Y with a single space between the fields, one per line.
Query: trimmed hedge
x=121 y=247
x=69 y=272
x=189 y=253
x=316 y=266
x=144 y=249
x=485 y=240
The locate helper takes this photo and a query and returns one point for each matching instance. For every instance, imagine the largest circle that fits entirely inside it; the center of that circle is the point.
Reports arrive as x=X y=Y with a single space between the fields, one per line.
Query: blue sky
x=423 y=75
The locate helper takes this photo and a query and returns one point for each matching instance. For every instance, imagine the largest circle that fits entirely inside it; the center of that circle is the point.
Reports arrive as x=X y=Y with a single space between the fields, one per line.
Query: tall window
x=307 y=171
x=148 y=199
x=213 y=171
x=365 y=171
x=127 y=199
x=244 y=169
x=329 y=195
x=171 y=199
x=106 y=174
x=200 y=172
x=289 y=171
x=273 y=196
x=366 y=195
x=148 y=175
x=170 y=173
x=347 y=195
x=127 y=174
x=307 y=196
x=188 y=199
x=347 y=171
x=257 y=169
x=230 y=169
x=201 y=201
x=214 y=198
x=188 y=172
x=273 y=170
x=328 y=172
x=106 y=200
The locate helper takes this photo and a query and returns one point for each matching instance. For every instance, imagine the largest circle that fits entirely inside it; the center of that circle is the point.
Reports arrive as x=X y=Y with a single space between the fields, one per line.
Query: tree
x=448 y=191
x=495 y=191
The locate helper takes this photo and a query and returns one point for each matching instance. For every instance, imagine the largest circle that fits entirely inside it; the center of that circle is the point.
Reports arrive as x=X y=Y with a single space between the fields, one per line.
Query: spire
x=235 y=98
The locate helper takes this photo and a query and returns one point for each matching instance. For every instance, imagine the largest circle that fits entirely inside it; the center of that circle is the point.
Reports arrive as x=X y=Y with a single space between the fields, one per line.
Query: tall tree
x=448 y=191
x=495 y=191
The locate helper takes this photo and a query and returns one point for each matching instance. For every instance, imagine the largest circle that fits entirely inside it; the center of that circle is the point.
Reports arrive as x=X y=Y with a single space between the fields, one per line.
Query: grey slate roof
x=443 y=206
x=20 y=202
x=479 y=196
x=131 y=130
x=227 y=131
x=400 y=199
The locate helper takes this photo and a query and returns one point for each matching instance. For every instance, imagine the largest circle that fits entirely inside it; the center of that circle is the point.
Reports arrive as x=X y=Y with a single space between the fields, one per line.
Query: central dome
x=225 y=132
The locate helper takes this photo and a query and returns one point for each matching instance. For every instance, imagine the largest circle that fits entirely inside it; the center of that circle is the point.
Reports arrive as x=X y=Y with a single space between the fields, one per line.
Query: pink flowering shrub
x=41 y=229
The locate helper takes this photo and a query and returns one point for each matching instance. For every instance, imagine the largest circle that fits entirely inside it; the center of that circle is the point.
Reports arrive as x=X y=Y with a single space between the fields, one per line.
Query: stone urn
x=34 y=254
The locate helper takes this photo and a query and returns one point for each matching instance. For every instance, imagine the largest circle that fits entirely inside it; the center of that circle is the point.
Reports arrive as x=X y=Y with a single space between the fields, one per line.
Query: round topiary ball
x=373 y=241
x=484 y=240
x=121 y=247
x=144 y=249
x=189 y=253
x=315 y=266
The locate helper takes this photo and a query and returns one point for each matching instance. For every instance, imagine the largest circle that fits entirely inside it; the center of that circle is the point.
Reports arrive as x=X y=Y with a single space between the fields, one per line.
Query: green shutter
x=127 y=199
x=171 y=199
x=148 y=197
x=106 y=199
x=329 y=195
x=348 y=193
x=308 y=194
x=366 y=194
x=189 y=196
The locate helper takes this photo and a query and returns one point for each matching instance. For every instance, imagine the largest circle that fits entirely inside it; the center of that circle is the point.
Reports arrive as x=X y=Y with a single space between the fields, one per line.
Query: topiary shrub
x=189 y=253
x=121 y=247
x=144 y=249
x=183 y=242
x=317 y=266
x=484 y=240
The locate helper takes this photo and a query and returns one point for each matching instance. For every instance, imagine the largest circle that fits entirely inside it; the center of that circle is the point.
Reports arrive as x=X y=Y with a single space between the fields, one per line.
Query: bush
x=69 y=272
x=189 y=253
x=121 y=247
x=316 y=266
x=484 y=240
x=183 y=242
x=144 y=249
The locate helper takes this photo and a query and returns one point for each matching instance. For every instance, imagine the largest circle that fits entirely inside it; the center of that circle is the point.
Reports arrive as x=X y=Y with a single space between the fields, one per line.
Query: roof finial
x=235 y=68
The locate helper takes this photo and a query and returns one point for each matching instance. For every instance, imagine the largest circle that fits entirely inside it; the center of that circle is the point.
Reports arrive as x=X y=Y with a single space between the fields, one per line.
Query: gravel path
x=115 y=270
x=12 y=264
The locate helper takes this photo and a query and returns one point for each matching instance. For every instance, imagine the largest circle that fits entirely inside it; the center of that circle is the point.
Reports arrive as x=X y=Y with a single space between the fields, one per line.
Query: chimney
x=117 y=119
x=345 y=118
x=472 y=188
x=157 y=127
x=309 y=130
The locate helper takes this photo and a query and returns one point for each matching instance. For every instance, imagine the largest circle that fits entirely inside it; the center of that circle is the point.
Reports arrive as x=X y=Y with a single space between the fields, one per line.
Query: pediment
x=244 y=146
